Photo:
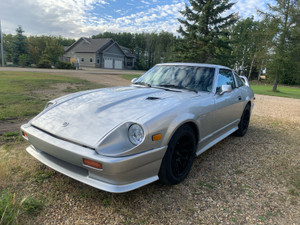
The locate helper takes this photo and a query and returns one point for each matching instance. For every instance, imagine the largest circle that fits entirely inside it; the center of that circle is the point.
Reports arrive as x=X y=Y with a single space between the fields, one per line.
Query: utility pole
x=2 y=51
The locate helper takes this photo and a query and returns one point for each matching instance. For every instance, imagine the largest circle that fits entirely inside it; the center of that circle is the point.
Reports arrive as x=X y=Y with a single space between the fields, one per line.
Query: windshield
x=182 y=77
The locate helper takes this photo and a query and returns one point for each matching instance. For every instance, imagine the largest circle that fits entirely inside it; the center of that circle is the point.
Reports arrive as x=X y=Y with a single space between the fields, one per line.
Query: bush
x=65 y=65
x=24 y=60
x=44 y=63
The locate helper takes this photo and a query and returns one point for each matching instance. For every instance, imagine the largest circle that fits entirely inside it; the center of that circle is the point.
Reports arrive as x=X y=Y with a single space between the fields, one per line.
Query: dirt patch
x=55 y=90
x=10 y=126
x=107 y=80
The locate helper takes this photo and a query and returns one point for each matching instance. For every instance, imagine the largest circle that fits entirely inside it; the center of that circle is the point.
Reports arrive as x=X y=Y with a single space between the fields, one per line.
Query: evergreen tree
x=19 y=45
x=205 y=30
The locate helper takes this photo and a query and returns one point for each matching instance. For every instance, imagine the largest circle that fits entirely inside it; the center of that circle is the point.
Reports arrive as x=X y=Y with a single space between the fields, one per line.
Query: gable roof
x=127 y=52
x=90 y=45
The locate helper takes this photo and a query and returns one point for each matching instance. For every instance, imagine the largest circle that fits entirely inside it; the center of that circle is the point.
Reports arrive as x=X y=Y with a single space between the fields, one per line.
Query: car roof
x=194 y=64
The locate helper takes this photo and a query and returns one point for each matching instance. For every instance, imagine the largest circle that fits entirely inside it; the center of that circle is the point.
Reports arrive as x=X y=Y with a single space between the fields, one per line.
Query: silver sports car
x=121 y=138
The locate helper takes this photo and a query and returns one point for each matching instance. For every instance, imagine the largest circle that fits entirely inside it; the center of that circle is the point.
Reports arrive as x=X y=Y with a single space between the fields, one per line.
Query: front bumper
x=119 y=174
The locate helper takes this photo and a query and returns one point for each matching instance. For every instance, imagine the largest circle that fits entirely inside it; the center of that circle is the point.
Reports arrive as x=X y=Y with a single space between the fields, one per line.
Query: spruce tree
x=19 y=45
x=205 y=30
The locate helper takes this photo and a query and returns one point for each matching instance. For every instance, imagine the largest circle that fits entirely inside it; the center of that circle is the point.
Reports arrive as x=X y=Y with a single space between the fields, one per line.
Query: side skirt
x=202 y=149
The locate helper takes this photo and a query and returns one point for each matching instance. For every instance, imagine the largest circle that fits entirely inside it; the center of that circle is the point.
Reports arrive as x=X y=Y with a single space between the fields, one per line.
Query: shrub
x=24 y=60
x=44 y=63
x=65 y=65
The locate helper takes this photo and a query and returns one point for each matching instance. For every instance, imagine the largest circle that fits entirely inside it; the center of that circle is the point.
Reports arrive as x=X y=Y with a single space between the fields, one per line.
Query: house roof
x=127 y=52
x=90 y=45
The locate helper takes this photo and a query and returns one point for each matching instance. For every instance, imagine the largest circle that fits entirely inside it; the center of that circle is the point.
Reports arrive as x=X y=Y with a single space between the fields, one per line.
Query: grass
x=11 y=208
x=18 y=92
x=262 y=89
x=283 y=91
x=32 y=205
x=130 y=76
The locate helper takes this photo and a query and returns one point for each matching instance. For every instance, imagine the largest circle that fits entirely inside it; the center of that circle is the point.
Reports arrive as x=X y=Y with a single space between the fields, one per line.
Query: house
x=99 y=53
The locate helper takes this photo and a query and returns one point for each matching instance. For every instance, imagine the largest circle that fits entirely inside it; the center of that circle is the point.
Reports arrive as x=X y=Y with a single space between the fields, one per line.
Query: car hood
x=89 y=116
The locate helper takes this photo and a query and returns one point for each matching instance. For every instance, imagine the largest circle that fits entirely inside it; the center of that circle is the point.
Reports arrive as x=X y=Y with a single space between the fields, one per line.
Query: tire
x=244 y=123
x=179 y=156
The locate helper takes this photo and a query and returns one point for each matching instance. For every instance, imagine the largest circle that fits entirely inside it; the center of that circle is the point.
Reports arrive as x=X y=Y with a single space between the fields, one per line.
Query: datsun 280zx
x=121 y=138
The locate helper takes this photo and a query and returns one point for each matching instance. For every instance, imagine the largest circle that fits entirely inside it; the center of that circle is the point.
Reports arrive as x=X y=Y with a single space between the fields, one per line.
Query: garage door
x=108 y=63
x=118 y=64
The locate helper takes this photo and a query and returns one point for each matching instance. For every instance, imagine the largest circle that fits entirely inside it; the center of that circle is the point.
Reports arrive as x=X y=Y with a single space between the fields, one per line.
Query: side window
x=225 y=78
x=239 y=80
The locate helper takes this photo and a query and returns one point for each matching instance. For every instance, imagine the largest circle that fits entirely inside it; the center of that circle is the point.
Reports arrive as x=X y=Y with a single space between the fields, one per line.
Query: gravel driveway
x=250 y=180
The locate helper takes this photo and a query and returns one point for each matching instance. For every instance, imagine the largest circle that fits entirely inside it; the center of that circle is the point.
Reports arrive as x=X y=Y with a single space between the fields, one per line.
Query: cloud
x=51 y=17
x=247 y=8
x=76 y=18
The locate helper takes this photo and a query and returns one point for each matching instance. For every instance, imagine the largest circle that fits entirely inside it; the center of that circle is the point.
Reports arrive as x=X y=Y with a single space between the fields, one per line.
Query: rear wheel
x=179 y=157
x=244 y=122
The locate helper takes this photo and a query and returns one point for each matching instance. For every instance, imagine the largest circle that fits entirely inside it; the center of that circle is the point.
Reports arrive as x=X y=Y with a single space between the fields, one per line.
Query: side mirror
x=225 y=88
x=134 y=80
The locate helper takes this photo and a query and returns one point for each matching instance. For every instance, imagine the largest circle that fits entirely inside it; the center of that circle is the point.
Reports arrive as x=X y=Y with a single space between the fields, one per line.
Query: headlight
x=135 y=134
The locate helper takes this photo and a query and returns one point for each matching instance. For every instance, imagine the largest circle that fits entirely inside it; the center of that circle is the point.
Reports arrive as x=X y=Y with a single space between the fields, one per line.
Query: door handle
x=239 y=98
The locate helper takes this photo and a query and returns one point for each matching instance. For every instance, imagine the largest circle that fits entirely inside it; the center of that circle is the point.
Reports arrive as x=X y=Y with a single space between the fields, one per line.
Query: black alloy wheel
x=244 y=122
x=179 y=157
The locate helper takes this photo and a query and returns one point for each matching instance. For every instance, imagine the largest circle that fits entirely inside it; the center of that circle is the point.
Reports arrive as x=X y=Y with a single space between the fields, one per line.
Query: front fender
x=176 y=123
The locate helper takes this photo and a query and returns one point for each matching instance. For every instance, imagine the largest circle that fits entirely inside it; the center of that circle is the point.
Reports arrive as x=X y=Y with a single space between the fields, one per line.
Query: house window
x=91 y=59
x=82 y=59
x=98 y=61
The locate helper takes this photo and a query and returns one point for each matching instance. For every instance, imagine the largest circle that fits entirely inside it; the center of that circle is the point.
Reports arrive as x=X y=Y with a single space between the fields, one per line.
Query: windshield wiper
x=177 y=87
x=143 y=83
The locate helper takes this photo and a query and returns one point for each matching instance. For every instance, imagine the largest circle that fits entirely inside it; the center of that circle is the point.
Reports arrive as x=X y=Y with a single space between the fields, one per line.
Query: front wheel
x=179 y=156
x=244 y=122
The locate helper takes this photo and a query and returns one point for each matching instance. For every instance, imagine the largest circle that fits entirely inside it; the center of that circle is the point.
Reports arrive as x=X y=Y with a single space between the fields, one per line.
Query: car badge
x=65 y=124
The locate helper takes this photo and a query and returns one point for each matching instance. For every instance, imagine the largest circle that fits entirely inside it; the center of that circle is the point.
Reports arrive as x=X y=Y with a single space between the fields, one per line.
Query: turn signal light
x=24 y=134
x=156 y=137
x=92 y=163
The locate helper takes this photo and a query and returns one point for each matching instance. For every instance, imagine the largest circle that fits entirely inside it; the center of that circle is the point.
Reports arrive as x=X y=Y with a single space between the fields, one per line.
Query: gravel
x=250 y=180
x=245 y=180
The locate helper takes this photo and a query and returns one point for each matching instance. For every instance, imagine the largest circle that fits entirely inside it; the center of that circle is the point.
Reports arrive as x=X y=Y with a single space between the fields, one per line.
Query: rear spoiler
x=245 y=80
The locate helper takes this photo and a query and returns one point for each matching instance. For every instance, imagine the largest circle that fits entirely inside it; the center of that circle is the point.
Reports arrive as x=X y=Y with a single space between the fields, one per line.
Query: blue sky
x=76 y=18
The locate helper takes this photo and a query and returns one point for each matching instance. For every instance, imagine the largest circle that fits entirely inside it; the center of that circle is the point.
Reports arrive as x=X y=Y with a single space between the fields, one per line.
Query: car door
x=227 y=112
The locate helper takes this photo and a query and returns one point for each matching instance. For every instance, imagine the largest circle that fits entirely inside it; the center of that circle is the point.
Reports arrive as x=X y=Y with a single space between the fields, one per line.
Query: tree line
x=42 y=51
x=207 y=34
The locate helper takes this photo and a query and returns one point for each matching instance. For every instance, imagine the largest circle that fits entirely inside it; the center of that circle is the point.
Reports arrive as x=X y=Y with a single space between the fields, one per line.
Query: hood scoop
x=153 y=98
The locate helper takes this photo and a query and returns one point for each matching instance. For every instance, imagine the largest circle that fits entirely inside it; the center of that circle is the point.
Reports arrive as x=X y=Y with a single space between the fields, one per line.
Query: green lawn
x=262 y=89
x=283 y=91
x=130 y=76
x=20 y=96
